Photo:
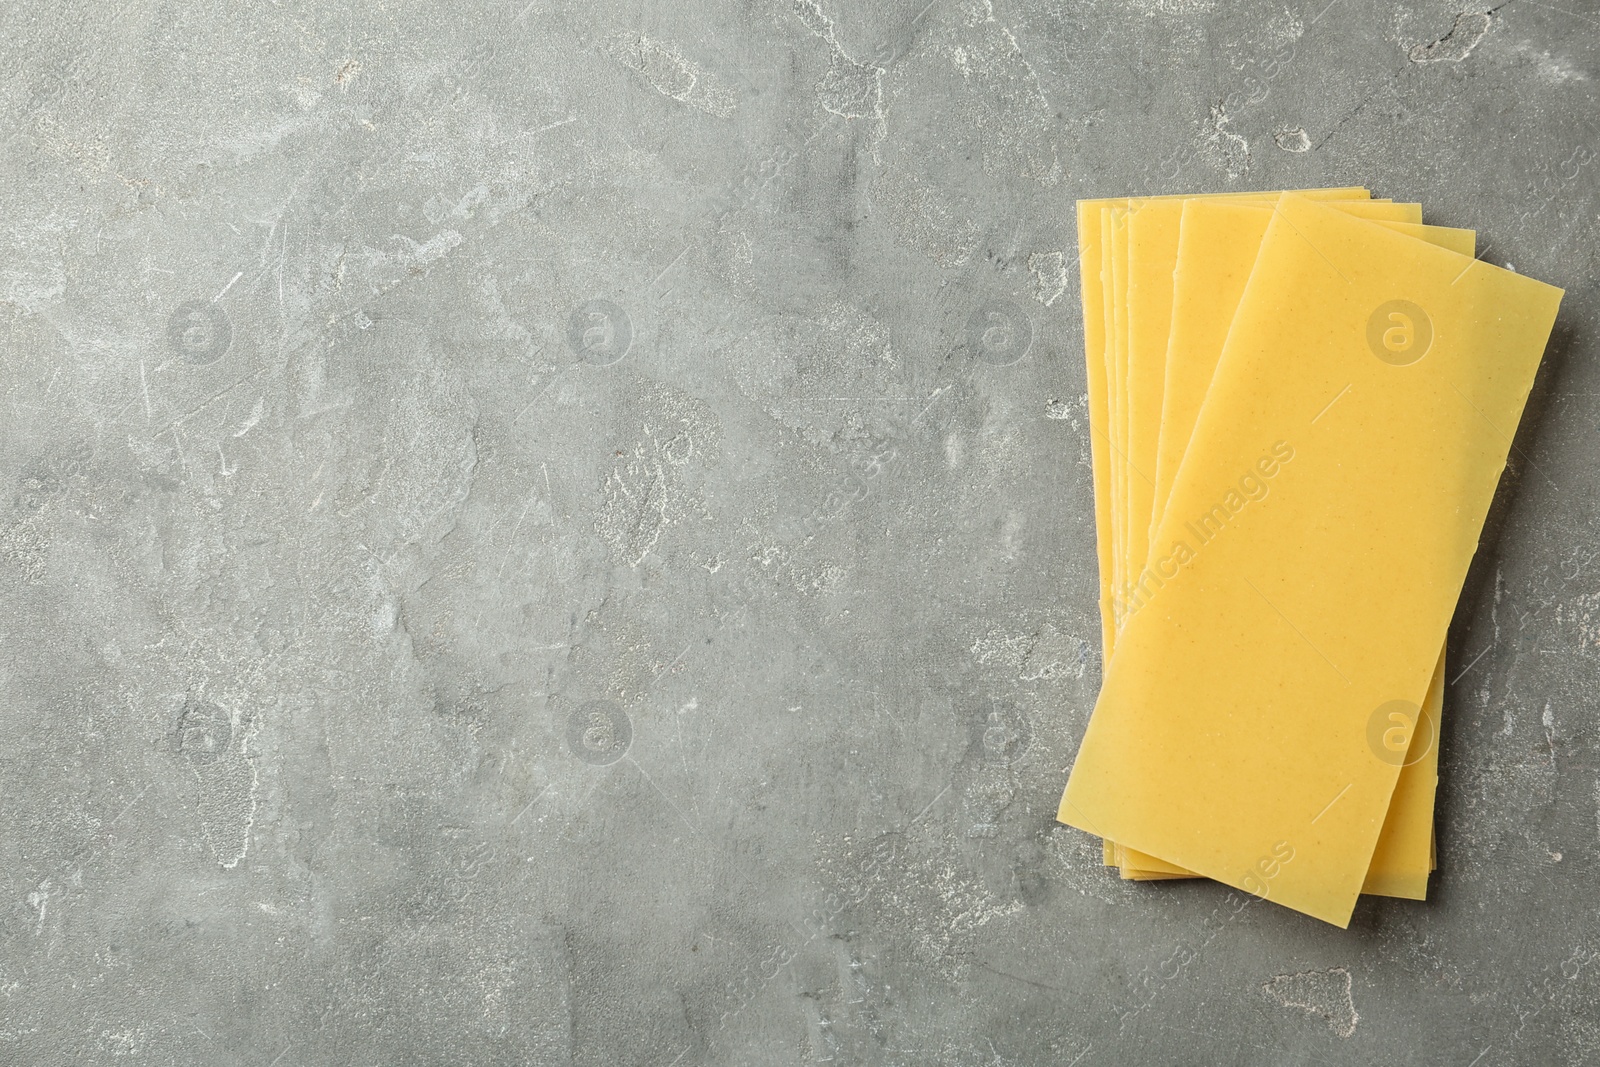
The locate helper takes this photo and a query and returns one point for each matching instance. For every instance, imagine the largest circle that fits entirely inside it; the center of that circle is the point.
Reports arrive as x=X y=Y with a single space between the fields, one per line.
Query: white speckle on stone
x=849 y=89
x=1228 y=150
x=1293 y=139
x=1557 y=70
x=1322 y=993
x=1050 y=275
x=430 y=251
x=1174 y=7
x=667 y=72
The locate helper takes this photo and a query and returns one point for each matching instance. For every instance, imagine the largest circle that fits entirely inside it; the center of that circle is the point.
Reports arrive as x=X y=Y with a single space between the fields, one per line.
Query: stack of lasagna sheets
x=1300 y=404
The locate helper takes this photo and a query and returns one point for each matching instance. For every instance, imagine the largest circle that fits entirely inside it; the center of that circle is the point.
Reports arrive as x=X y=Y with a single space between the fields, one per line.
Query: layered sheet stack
x=1300 y=406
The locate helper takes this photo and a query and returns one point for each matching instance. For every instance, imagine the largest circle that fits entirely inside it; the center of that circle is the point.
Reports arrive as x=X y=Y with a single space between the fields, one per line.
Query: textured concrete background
x=513 y=550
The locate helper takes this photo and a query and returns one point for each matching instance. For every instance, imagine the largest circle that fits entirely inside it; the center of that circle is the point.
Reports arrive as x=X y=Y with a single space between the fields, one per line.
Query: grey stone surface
x=560 y=533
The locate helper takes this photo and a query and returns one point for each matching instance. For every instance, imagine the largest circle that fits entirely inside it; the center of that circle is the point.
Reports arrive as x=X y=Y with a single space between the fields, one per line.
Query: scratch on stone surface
x=929 y=805
x=129 y=805
x=511 y=542
x=932 y=398
x=663 y=672
x=1471 y=665
x=663 y=794
x=1326 y=994
x=254 y=417
x=1453 y=47
x=554 y=125
x=667 y=72
x=225 y=288
x=530 y=804
x=1025 y=981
